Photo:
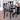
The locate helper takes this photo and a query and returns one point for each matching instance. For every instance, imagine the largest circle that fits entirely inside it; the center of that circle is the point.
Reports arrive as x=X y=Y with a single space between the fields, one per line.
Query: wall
x=1 y=7
x=4 y=1
x=8 y=0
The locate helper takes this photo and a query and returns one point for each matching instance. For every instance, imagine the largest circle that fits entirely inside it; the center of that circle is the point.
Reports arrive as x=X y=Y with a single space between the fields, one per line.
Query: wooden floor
x=8 y=18
x=1 y=15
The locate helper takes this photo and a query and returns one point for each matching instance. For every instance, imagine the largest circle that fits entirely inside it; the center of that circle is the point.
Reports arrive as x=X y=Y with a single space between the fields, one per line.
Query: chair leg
x=16 y=15
x=12 y=15
x=19 y=15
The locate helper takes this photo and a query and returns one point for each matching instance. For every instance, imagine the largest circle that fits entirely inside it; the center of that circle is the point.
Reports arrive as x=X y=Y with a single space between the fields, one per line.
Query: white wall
x=1 y=8
x=5 y=1
x=8 y=0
